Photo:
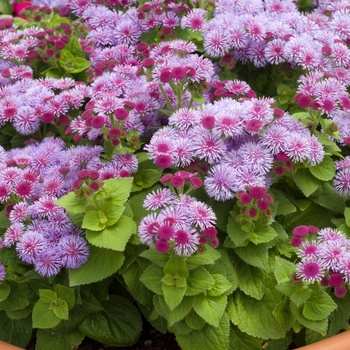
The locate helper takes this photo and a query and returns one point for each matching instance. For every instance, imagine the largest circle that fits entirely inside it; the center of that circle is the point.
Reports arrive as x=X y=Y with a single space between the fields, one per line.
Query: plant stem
x=166 y=98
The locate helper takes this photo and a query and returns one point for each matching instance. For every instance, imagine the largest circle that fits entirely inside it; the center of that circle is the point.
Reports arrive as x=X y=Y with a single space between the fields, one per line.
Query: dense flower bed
x=186 y=161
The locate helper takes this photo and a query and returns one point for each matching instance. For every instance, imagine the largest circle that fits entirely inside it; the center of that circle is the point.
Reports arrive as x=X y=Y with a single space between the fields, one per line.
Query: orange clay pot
x=340 y=341
x=7 y=346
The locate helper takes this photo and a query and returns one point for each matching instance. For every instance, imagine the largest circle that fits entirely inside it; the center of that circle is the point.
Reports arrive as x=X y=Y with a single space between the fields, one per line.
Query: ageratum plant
x=184 y=163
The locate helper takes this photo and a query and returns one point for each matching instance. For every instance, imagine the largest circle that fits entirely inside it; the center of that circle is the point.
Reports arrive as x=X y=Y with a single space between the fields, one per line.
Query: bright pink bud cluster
x=181 y=179
x=255 y=203
x=324 y=257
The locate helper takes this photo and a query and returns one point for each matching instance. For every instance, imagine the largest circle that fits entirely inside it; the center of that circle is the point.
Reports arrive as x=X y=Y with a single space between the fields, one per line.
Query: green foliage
x=58 y=341
x=255 y=317
x=102 y=263
x=209 y=337
x=118 y=324
x=242 y=341
x=15 y=331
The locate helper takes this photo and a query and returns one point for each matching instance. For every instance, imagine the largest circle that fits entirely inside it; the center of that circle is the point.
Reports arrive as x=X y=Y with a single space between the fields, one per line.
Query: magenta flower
x=310 y=270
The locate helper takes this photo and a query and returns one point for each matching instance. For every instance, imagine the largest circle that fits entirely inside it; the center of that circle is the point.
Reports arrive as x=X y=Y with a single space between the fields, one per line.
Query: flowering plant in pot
x=181 y=162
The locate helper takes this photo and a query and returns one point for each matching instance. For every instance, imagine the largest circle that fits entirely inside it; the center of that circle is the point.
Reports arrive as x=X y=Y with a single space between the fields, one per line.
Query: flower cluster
x=255 y=204
x=32 y=179
x=29 y=103
x=341 y=181
x=239 y=141
x=179 y=223
x=276 y=32
x=324 y=257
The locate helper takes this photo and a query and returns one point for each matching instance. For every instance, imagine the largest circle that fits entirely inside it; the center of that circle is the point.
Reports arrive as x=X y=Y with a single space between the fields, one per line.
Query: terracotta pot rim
x=7 y=346
x=340 y=341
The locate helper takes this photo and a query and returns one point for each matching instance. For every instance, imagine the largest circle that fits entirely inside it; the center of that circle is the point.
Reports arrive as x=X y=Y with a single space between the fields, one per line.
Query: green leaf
x=66 y=293
x=6 y=8
x=283 y=205
x=283 y=269
x=208 y=337
x=222 y=210
x=299 y=294
x=155 y=257
x=325 y=170
x=71 y=203
x=255 y=317
x=176 y=267
x=210 y=308
x=339 y=318
x=73 y=45
x=17 y=299
x=60 y=308
x=149 y=36
x=180 y=311
x=5 y=289
x=112 y=211
x=313 y=215
x=329 y=146
x=262 y=234
x=52 y=72
x=160 y=307
x=347 y=216
x=199 y=281
x=318 y=306
x=251 y=280
x=221 y=285
x=15 y=331
x=47 y=295
x=58 y=341
x=43 y=316
x=255 y=255
x=318 y=326
x=236 y=234
x=283 y=89
x=119 y=324
x=119 y=188
x=4 y=221
x=94 y=220
x=284 y=315
x=173 y=294
x=151 y=278
x=328 y=198
x=194 y=321
x=243 y=341
x=113 y=237
x=146 y=178
x=57 y=20
x=19 y=314
x=101 y=264
x=177 y=281
x=132 y=278
x=73 y=64
x=306 y=182
x=136 y=203
x=303 y=116
x=206 y=257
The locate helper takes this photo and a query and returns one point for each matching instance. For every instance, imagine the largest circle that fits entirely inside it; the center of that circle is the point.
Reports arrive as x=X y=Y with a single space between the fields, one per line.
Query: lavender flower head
x=237 y=140
x=341 y=181
x=324 y=257
x=180 y=223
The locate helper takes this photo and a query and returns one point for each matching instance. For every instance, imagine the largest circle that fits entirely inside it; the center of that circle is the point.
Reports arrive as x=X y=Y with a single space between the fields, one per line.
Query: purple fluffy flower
x=73 y=250
x=48 y=263
x=2 y=272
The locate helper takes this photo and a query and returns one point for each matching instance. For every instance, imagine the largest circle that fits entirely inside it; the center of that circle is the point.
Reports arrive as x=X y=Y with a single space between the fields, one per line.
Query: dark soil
x=150 y=339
